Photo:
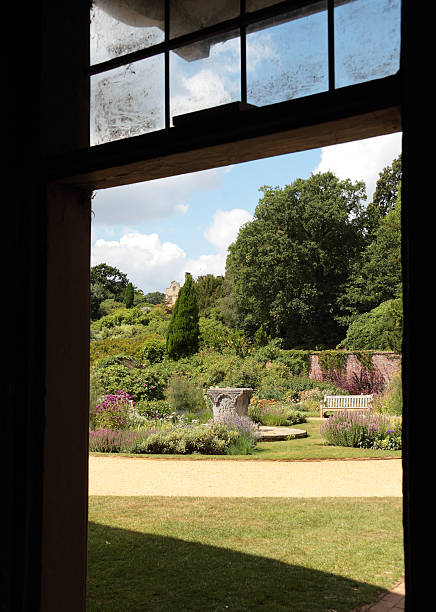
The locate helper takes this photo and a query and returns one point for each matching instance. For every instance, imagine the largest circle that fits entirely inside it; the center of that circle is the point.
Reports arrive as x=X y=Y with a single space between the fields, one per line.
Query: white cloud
x=151 y=264
x=160 y=198
x=225 y=227
x=362 y=159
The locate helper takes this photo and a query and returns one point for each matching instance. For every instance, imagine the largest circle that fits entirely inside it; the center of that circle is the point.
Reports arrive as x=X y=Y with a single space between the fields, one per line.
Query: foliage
x=154 y=349
x=183 y=394
x=139 y=383
x=363 y=382
x=208 y=289
x=108 y=347
x=214 y=334
x=122 y=316
x=391 y=402
x=154 y=409
x=119 y=331
x=106 y=282
x=155 y=297
x=109 y=305
x=290 y=263
x=362 y=430
x=183 y=331
x=113 y=280
x=111 y=412
x=379 y=329
x=331 y=360
x=377 y=275
x=385 y=195
x=112 y=441
x=129 y=296
x=273 y=413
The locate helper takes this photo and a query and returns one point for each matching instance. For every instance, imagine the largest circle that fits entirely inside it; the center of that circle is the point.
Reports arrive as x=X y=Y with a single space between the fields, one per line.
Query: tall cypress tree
x=183 y=331
x=129 y=296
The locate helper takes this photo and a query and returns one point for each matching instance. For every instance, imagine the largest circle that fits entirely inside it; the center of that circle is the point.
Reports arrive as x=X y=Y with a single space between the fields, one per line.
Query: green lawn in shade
x=312 y=447
x=176 y=554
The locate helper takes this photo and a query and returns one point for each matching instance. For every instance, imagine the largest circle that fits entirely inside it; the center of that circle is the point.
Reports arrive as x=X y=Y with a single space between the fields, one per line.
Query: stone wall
x=387 y=363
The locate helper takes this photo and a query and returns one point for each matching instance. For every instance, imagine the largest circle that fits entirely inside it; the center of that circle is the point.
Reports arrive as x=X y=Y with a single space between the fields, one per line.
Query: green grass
x=213 y=554
x=312 y=447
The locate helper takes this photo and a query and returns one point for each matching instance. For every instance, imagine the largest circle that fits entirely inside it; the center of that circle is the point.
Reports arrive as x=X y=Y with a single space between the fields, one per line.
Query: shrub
x=272 y=413
x=139 y=383
x=111 y=412
x=391 y=402
x=122 y=316
x=112 y=441
x=154 y=349
x=214 y=334
x=154 y=409
x=130 y=347
x=366 y=383
x=184 y=394
x=212 y=439
x=379 y=329
x=362 y=430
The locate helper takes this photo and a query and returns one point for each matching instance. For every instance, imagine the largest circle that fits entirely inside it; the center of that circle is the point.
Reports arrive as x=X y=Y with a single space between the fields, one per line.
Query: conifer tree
x=129 y=296
x=183 y=331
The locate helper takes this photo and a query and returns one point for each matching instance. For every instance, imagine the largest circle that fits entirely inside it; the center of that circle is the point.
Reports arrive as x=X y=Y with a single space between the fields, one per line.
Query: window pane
x=287 y=57
x=206 y=74
x=128 y=101
x=117 y=28
x=367 y=40
x=190 y=15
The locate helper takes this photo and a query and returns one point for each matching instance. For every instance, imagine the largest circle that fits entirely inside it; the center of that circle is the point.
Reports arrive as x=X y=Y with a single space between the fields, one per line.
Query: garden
x=145 y=402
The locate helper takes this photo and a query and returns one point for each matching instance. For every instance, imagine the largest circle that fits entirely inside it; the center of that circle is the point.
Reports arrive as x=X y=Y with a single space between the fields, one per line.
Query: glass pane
x=190 y=15
x=367 y=40
x=128 y=101
x=206 y=74
x=287 y=57
x=120 y=27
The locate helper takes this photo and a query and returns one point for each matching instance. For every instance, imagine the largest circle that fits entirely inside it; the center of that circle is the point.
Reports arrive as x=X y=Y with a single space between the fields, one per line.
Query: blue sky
x=158 y=230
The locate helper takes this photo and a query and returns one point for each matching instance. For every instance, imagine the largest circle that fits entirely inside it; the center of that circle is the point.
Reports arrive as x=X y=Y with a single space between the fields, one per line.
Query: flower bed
x=363 y=430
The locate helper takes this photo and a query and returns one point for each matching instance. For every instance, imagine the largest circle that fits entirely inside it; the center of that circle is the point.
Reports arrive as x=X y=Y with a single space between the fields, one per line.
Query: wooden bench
x=336 y=403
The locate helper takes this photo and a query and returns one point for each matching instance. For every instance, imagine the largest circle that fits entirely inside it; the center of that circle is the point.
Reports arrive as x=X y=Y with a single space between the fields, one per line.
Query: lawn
x=212 y=554
x=312 y=447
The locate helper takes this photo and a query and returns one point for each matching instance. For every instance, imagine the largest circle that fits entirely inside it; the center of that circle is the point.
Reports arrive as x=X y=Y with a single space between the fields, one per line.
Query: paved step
x=272 y=434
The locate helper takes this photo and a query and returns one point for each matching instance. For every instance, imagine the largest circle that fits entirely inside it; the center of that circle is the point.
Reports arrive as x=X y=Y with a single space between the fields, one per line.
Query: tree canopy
x=376 y=276
x=290 y=263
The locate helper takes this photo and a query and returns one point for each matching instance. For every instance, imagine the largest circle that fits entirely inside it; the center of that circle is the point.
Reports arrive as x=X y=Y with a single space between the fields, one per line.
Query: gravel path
x=115 y=475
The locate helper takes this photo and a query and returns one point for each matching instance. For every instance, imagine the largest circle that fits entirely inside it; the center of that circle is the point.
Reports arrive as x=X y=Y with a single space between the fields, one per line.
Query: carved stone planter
x=230 y=400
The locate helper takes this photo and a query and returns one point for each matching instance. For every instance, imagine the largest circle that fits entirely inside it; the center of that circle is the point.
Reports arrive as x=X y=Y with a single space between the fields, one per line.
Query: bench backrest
x=347 y=401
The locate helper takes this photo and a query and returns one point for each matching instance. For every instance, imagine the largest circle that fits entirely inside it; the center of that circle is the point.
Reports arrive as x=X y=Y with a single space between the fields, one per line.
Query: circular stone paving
x=271 y=434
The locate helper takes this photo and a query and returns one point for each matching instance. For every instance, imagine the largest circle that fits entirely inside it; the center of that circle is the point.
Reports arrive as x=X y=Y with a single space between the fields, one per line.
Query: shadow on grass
x=128 y=570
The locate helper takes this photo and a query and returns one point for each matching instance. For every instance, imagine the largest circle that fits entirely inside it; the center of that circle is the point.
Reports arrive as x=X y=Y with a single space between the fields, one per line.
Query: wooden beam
x=220 y=139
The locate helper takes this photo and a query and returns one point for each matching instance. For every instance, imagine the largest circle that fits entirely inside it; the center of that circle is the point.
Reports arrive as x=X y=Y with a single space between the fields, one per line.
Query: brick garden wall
x=387 y=363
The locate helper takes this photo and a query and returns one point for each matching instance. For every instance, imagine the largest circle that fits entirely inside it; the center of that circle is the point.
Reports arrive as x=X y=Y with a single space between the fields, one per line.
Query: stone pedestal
x=230 y=400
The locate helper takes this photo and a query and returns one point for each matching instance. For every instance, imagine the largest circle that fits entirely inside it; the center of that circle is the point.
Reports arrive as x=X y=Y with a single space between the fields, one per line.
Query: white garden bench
x=336 y=403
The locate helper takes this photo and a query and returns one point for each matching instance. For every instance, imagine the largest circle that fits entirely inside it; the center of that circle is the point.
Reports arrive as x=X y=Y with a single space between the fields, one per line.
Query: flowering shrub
x=273 y=413
x=362 y=430
x=110 y=441
x=112 y=411
x=164 y=437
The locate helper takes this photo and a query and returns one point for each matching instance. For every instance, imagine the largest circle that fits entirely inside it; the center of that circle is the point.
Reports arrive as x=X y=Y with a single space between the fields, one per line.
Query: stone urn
x=230 y=400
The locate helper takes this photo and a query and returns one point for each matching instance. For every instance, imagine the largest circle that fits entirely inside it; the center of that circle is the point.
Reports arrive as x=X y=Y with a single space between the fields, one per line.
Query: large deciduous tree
x=183 y=332
x=291 y=262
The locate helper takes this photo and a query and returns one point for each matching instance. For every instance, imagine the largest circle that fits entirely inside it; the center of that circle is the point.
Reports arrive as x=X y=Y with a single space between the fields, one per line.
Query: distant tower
x=171 y=294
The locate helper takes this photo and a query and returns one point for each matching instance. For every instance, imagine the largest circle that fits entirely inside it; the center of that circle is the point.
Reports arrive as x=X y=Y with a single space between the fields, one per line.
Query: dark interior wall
x=47 y=266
